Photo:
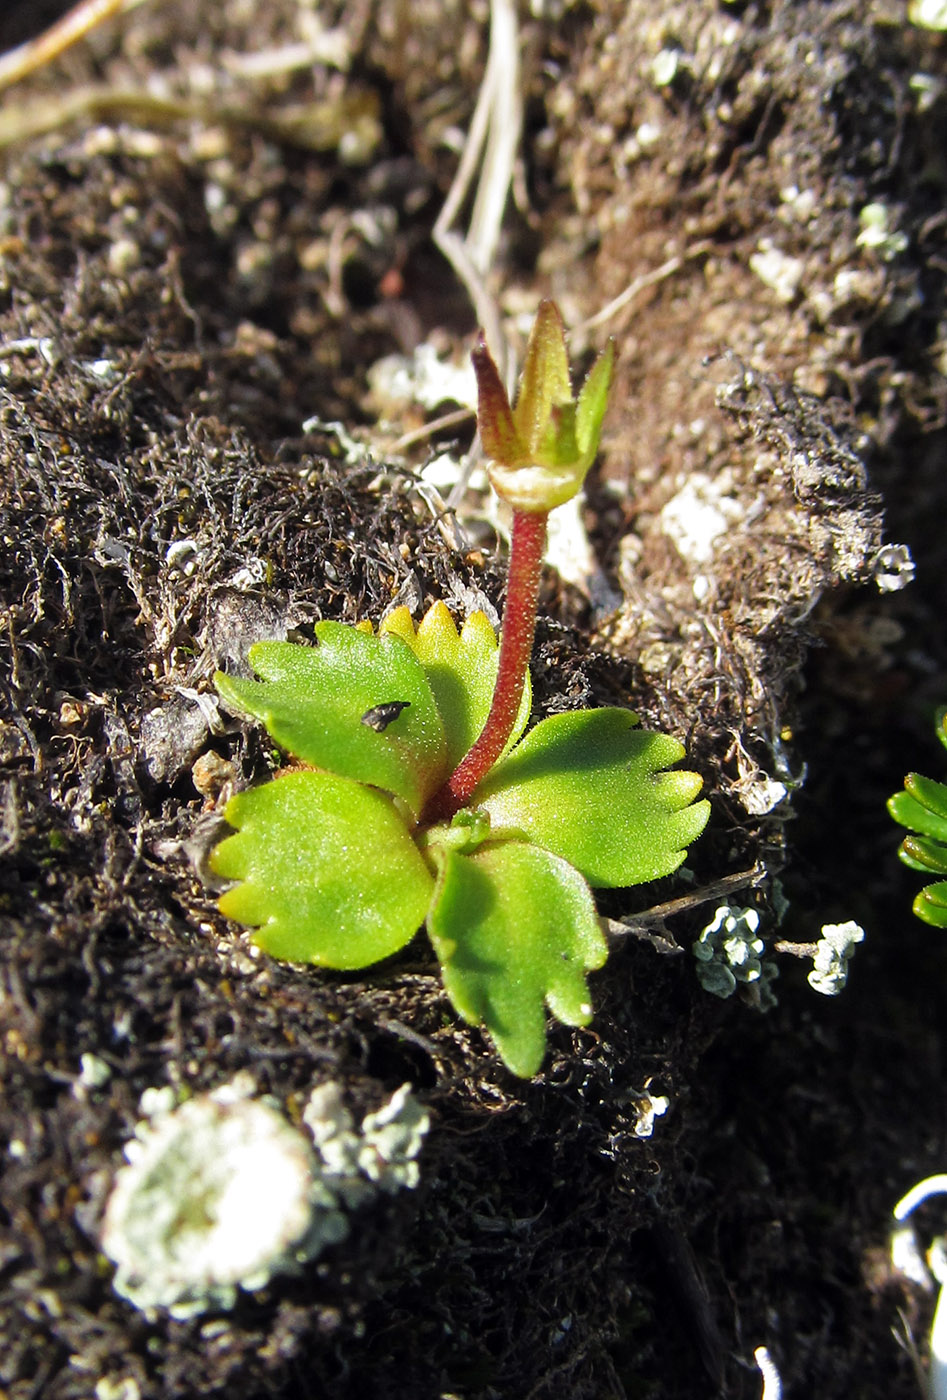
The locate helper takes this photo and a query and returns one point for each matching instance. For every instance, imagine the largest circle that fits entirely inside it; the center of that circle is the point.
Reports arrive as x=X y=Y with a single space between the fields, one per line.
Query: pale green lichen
x=728 y=951
x=665 y=66
x=391 y=1141
x=878 y=232
x=221 y=1192
x=833 y=953
x=381 y=1155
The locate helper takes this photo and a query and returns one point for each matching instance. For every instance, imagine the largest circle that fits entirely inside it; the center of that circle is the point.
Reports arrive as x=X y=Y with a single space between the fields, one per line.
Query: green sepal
x=499 y=436
x=541 y=450
x=920 y=853
x=462 y=669
x=315 y=702
x=592 y=403
x=590 y=787
x=544 y=381
x=909 y=811
x=559 y=447
x=931 y=904
x=328 y=871
x=515 y=930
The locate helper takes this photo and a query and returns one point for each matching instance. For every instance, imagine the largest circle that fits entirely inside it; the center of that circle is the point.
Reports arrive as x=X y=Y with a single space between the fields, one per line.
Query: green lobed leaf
x=590 y=787
x=931 y=904
x=910 y=812
x=515 y=929
x=328 y=871
x=314 y=702
x=462 y=671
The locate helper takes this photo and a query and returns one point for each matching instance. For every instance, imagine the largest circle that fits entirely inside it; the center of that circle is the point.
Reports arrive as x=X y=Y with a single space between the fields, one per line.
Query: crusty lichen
x=222 y=1193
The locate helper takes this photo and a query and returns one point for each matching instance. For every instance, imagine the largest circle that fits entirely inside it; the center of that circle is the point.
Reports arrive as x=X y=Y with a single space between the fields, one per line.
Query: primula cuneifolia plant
x=423 y=802
x=922 y=808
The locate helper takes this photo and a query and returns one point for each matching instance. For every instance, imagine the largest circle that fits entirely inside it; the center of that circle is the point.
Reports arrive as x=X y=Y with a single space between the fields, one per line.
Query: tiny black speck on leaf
x=380 y=716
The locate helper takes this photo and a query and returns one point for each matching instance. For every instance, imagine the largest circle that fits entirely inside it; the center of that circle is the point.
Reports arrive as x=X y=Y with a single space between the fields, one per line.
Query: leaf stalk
x=516 y=644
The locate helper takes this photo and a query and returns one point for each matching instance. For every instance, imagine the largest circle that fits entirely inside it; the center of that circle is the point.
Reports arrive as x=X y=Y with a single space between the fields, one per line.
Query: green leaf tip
x=931 y=795
x=931 y=904
x=461 y=669
x=515 y=930
x=541 y=449
x=921 y=853
x=940 y=724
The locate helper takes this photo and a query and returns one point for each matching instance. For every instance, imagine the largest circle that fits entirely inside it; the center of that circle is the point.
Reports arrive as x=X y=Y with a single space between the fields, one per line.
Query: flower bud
x=541 y=449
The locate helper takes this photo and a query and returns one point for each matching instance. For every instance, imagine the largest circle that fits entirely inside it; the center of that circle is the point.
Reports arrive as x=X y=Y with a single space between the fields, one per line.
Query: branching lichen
x=728 y=951
x=833 y=952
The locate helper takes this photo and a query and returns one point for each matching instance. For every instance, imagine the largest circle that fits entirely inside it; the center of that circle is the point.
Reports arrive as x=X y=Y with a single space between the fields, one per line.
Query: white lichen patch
x=701 y=514
x=422 y=378
x=381 y=1155
x=729 y=951
x=222 y=1193
x=779 y=271
x=647 y=1107
x=833 y=953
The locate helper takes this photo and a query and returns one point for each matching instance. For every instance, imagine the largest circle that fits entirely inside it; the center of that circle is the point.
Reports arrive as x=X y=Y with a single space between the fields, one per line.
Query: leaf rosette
x=334 y=863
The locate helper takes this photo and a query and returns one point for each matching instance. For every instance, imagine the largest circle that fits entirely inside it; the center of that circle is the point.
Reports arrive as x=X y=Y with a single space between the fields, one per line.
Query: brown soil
x=183 y=283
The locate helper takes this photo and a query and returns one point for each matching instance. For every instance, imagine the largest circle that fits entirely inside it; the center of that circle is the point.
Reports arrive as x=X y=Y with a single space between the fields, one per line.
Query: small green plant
x=422 y=800
x=922 y=808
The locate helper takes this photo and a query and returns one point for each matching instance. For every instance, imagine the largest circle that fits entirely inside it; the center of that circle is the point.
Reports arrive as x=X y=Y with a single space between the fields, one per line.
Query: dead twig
x=641 y=284
x=491 y=145
x=75 y=25
x=643 y=925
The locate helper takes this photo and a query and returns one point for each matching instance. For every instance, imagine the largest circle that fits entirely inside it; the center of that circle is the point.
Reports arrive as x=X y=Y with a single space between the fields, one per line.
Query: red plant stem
x=516 y=645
